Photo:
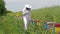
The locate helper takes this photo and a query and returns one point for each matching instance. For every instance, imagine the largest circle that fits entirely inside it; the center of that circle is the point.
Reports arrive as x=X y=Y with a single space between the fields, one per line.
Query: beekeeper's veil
x=28 y=7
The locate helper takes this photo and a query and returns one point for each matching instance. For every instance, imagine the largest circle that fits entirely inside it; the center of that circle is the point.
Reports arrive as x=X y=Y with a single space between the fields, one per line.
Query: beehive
x=57 y=28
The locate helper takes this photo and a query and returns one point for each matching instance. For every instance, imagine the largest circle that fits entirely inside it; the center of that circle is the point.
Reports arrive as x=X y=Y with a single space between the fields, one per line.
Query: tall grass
x=12 y=24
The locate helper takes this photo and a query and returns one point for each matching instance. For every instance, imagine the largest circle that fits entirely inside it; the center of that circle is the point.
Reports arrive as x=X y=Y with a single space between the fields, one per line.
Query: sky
x=17 y=5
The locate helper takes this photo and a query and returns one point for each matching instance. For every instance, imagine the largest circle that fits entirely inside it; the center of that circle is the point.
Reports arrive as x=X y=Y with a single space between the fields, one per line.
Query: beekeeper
x=26 y=15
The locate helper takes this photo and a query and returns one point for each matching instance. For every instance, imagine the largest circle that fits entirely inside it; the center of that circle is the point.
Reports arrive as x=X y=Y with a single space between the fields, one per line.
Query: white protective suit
x=26 y=15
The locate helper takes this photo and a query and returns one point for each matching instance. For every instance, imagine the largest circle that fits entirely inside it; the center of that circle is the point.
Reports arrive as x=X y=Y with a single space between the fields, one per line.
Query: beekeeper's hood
x=28 y=6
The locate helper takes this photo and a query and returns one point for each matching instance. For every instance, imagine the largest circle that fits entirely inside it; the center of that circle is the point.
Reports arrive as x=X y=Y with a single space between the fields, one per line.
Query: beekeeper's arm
x=25 y=11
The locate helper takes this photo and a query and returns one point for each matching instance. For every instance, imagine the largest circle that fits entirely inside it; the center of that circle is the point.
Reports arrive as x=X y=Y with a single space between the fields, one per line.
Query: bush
x=2 y=7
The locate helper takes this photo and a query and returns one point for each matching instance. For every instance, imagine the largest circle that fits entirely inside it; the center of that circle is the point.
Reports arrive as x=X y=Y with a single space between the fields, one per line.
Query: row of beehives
x=53 y=26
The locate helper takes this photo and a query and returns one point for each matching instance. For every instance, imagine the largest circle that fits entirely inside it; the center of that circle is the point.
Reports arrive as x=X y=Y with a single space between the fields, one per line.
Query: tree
x=2 y=7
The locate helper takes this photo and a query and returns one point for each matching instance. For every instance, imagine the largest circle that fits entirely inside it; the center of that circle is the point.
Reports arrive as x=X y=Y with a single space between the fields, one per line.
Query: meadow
x=13 y=24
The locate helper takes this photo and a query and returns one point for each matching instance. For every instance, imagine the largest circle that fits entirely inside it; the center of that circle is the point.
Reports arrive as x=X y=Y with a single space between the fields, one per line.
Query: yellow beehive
x=57 y=29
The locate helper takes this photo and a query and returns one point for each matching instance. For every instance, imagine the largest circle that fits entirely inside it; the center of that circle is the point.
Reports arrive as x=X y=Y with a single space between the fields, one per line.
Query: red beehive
x=57 y=25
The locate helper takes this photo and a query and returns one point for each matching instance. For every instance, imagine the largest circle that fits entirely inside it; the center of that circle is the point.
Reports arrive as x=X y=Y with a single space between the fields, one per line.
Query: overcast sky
x=16 y=5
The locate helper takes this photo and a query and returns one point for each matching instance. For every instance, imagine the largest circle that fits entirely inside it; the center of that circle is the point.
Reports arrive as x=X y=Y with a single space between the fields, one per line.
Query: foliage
x=8 y=11
x=2 y=7
x=10 y=24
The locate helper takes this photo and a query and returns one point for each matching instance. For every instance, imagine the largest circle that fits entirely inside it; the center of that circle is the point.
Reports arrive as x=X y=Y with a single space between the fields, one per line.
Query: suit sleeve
x=24 y=12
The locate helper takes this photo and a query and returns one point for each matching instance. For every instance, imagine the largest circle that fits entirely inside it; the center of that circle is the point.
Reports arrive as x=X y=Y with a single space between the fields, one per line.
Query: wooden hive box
x=57 y=27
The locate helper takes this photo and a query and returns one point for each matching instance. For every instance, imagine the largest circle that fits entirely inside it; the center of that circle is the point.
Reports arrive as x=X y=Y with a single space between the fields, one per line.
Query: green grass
x=47 y=14
x=10 y=24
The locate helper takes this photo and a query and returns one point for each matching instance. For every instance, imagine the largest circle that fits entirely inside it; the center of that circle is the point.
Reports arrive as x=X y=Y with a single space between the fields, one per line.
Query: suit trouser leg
x=25 y=22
